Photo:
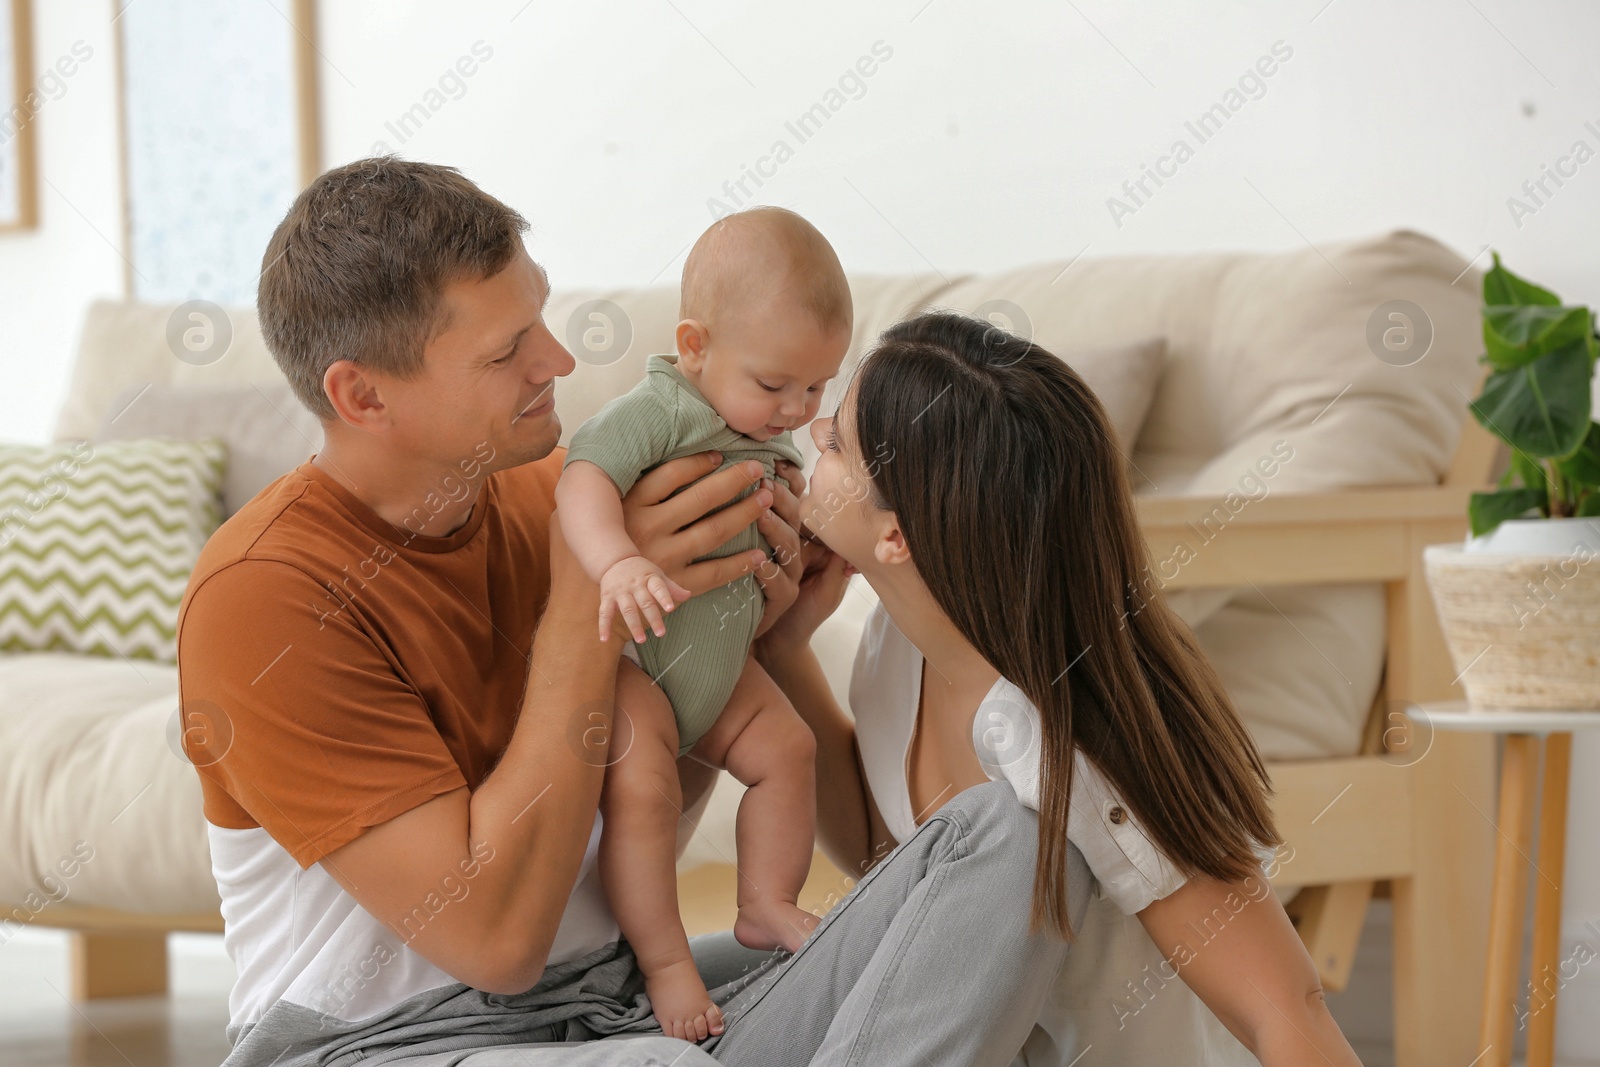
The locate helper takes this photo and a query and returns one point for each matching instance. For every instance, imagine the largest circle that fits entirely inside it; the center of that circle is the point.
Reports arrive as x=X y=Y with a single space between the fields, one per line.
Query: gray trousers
x=928 y=961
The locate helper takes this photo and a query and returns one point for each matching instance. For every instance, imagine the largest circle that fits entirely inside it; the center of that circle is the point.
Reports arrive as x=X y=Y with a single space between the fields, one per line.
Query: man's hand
x=672 y=527
x=637 y=590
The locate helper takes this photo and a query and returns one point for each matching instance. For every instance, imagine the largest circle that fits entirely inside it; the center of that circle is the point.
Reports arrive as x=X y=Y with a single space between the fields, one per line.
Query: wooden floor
x=41 y=1027
x=706 y=894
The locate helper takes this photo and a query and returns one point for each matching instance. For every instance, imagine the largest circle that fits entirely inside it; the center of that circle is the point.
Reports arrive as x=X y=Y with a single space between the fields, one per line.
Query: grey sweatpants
x=928 y=961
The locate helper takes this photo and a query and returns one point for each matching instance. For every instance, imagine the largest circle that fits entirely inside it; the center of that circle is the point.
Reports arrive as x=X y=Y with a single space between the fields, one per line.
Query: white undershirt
x=296 y=935
x=1114 y=1001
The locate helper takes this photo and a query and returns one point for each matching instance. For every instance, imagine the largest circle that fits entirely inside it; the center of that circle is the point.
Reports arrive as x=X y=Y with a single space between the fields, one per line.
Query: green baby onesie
x=699 y=659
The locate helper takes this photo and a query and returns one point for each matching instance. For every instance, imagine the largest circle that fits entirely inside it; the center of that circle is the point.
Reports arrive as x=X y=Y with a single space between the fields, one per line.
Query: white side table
x=1520 y=772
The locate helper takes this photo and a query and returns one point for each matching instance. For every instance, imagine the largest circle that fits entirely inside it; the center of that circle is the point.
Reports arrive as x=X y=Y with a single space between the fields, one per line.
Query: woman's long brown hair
x=1002 y=469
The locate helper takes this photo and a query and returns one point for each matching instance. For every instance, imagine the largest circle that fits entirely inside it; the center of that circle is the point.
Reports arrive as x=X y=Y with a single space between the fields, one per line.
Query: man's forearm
x=537 y=808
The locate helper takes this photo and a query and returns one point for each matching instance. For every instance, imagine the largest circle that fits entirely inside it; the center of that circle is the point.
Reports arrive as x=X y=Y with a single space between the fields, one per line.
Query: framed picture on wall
x=19 y=100
x=219 y=128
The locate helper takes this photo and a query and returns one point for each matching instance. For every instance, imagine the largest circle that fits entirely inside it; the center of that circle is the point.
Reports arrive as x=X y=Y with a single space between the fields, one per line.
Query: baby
x=766 y=318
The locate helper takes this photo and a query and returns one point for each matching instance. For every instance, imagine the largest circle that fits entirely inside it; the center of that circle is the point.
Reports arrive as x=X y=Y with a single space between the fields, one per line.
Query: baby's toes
x=714 y=1019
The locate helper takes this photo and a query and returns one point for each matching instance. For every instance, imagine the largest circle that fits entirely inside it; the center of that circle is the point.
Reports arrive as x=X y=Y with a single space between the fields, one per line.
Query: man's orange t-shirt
x=336 y=671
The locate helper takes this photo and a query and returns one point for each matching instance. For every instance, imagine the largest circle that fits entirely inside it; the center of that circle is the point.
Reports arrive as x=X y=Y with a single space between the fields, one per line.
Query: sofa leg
x=1441 y=912
x=118 y=965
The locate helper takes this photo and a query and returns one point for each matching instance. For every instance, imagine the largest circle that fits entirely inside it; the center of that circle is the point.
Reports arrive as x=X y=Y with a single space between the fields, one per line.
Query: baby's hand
x=639 y=590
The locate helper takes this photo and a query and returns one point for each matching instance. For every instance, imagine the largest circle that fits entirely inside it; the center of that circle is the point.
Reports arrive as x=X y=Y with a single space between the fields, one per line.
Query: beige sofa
x=1303 y=587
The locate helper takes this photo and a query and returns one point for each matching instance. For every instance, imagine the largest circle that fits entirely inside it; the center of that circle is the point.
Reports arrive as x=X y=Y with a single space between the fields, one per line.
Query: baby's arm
x=591 y=518
x=1253 y=973
x=589 y=509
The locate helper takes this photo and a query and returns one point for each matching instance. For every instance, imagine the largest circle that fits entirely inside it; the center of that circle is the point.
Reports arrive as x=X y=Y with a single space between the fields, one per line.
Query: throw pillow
x=97 y=542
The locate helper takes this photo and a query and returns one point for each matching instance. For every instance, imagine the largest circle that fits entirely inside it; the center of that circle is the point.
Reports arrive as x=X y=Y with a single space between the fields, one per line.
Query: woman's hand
x=818 y=582
x=823 y=577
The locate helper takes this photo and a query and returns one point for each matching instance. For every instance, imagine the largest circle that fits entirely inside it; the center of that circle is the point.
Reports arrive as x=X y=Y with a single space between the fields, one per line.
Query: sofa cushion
x=126 y=344
x=1302 y=664
x=267 y=430
x=1258 y=343
x=97 y=542
x=89 y=754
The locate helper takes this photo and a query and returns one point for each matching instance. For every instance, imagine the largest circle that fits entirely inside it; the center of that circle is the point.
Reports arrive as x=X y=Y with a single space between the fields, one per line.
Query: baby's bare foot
x=764 y=924
x=681 y=1004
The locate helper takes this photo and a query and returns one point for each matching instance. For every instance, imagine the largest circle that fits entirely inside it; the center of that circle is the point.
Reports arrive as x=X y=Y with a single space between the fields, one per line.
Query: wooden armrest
x=1356 y=535
x=1343 y=819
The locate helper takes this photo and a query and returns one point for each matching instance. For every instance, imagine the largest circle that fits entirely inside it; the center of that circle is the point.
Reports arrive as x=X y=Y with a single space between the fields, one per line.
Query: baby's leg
x=641 y=803
x=762 y=741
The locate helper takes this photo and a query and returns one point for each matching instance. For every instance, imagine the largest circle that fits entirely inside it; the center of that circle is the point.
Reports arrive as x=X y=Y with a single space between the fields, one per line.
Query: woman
x=971 y=476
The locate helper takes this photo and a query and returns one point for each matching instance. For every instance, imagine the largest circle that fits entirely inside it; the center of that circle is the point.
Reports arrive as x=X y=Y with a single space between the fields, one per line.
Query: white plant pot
x=1538 y=537
x=1520 y=610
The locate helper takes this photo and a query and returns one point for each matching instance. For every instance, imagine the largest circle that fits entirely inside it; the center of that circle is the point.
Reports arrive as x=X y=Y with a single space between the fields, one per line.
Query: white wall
x=992 y=135
x=995 y=133
x=48 y=275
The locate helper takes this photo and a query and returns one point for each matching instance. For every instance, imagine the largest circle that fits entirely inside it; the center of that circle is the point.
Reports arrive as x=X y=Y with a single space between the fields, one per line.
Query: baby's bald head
x=747 y=261
x=766 y=320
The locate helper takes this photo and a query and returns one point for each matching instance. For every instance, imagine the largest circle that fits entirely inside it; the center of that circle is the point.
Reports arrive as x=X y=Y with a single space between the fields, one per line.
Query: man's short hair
x=357 y=268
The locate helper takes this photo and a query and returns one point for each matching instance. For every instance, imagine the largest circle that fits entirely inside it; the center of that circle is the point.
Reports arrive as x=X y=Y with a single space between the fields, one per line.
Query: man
x=415 y=713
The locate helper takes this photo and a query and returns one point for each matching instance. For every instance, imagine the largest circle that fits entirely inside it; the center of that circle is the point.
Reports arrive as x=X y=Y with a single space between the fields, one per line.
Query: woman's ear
x=693 y=337
x=354 y=396
x=889 y=546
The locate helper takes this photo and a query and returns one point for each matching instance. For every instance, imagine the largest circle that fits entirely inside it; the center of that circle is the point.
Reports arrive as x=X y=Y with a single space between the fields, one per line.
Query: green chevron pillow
x=97 y=541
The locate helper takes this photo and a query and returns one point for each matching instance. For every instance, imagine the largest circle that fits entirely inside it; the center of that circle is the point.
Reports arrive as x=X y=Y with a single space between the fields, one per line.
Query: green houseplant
x=1537 y=400
x=1519 y=601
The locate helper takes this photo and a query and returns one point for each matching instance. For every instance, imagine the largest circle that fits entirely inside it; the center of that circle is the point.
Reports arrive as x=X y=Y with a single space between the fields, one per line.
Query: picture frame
x=19 y=151
x=206 y=176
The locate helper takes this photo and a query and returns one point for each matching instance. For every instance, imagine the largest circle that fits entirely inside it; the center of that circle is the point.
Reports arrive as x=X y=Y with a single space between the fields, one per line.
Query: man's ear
x=353 y=392
x=693 y=337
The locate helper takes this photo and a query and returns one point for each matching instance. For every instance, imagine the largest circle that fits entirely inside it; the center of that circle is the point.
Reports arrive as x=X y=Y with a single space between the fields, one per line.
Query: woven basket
x=1523 y=630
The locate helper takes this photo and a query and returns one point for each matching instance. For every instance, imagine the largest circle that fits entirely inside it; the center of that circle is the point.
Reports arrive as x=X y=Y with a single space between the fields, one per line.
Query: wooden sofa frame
x=1410 y=816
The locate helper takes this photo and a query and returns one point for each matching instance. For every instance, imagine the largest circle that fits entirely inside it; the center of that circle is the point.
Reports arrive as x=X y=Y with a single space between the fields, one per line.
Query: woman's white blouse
x=1124 y=861
x=1115 y=1001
